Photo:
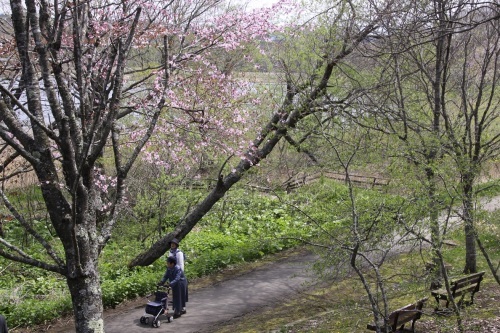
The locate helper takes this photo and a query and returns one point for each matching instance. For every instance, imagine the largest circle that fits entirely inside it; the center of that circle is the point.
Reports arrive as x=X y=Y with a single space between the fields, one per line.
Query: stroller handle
x=162 y=287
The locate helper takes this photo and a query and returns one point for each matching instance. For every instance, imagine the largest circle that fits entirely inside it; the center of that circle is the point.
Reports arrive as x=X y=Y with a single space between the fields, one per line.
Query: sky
x=251 y=4
x=260 y=3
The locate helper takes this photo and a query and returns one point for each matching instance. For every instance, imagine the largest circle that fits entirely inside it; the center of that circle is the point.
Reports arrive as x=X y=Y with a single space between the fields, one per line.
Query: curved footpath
x=223 y=301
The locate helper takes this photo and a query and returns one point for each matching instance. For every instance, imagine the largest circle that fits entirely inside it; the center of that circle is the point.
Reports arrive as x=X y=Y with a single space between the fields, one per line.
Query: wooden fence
x=358 y=180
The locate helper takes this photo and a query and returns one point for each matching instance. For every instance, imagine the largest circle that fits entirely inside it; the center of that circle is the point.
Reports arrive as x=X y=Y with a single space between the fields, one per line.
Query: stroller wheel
x=169 y=319
x=142 y=320
x=156 y=323
x=146 y=320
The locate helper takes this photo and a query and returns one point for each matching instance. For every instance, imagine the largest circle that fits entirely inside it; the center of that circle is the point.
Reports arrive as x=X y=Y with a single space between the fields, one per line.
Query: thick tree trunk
x=86 y=297
x=82 y=257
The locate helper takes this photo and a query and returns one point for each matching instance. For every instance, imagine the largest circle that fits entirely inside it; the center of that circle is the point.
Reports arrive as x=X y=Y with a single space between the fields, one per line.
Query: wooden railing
x=358 y=180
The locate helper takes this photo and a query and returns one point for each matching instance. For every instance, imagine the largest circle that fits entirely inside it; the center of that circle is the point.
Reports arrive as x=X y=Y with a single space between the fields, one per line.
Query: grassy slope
x=341 y=305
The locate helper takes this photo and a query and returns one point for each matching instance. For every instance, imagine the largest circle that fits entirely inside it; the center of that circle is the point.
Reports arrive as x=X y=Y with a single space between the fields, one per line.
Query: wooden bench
x=460 y=287
x=400 y=317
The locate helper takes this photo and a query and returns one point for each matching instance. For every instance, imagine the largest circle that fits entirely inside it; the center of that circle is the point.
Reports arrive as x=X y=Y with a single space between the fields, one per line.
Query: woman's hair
x=172 y=259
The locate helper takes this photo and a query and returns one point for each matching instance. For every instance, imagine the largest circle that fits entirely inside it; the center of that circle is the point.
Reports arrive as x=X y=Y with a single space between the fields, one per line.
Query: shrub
x=138 y=282
x=33 y=311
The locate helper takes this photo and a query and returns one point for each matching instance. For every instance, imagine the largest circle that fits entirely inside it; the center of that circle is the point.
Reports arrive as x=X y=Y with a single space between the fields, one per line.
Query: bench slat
x=459 y=287
x=401 y=316
x=466 y=282
x=457 y=292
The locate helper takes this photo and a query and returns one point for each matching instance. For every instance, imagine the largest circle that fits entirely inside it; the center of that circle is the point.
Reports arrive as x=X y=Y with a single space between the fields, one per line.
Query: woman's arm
x=180 y=260
x=175 y=276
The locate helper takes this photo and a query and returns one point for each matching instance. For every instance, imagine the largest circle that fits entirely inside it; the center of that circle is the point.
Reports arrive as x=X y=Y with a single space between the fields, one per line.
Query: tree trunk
x=468 y=215
x=437 y=274
x=86 y=297
x=80 y=239
x=494 y=271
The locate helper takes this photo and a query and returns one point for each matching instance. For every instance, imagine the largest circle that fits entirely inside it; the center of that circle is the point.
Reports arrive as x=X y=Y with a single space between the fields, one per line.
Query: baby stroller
x=157 y=308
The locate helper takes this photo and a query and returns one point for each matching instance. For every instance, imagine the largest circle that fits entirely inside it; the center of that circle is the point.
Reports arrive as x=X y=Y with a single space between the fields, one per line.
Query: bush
x=33 y=311
x=217 y=259
x=137 y=283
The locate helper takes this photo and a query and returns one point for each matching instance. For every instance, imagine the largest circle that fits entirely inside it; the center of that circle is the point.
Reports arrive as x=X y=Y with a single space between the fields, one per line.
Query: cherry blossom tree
x=311 y=90
x=88 y=81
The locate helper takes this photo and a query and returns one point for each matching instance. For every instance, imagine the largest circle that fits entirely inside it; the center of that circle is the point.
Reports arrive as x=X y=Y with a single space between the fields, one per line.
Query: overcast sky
x=260 y=3
x=251 y=4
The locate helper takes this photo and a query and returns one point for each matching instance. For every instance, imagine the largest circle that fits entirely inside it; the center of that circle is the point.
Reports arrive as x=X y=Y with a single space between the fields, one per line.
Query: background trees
x=441 y=116
x=471 y=124
x=407 y=84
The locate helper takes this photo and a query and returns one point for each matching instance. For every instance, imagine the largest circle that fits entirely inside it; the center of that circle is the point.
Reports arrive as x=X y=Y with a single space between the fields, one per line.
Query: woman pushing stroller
x=181 y=257
x=177 y=281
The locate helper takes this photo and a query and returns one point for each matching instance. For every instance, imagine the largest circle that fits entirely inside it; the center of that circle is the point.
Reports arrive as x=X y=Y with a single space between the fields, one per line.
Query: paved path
x=225 y=300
